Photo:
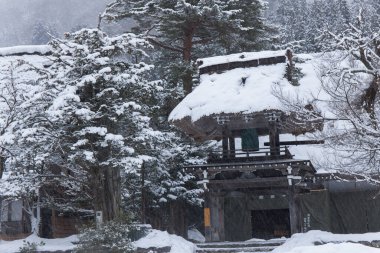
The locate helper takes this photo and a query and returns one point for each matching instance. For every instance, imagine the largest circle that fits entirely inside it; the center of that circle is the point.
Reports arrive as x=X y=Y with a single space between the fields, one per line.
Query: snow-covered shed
x=263 y=183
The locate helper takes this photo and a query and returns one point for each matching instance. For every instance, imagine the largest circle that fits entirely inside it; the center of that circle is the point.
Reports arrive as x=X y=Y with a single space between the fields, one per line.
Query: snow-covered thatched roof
x=245 y=91
x=14 y=56
x=25 y=50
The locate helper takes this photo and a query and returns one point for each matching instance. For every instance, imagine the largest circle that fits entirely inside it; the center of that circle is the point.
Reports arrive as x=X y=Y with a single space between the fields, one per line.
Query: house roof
x=25 y=50
x=245 y=91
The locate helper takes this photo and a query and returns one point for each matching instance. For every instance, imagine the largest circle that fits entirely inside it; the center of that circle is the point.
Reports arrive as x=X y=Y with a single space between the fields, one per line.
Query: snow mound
x=22 y=50
x=334 y=248
x=304 y=243
x=161 y=239
x=196 y=236
x=62 y=244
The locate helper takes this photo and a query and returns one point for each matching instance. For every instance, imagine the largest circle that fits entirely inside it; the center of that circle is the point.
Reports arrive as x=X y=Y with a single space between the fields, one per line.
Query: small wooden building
x=255 y=187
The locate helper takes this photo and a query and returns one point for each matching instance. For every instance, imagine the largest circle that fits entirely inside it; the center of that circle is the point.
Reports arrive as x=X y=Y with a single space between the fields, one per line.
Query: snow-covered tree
x=302 y=23
x=292 y=18
x=42 y=33
x=181 y=27
x=350 y=77
x=99 y=89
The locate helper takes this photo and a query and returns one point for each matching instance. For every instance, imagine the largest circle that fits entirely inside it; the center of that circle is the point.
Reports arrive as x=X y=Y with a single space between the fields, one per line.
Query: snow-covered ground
x=49 y=244
x=298 y=243
x=161 y=239
x=332 y=243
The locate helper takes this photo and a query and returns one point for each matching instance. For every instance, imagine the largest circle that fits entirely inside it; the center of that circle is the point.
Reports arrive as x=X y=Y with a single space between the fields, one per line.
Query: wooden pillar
x=231 y=141
x=294 y=210
x=274 y=139
x=225 y=147
x=207 y=216
x=214 y=223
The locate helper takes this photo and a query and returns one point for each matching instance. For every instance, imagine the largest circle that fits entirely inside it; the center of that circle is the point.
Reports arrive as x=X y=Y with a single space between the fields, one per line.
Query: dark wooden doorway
x=269 y=224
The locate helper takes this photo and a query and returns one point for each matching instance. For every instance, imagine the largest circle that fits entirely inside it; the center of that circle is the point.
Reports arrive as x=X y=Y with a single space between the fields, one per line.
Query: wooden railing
x=263 y=154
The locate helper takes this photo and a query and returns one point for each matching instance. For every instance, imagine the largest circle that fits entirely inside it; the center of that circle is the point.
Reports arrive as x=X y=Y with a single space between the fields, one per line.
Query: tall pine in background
x=183 y=27
x=302 y=23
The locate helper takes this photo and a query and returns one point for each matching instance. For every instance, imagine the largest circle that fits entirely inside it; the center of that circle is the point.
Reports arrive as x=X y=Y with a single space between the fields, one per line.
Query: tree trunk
x=112 y=194
x=2 y=162
x=187 y=78
x=368 y=99
x=143 y=195
x=106 y=187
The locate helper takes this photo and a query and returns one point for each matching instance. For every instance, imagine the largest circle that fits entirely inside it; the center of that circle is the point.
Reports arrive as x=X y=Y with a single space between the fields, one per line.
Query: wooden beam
x=290 y=143
x=303 y=165
x=272 y=182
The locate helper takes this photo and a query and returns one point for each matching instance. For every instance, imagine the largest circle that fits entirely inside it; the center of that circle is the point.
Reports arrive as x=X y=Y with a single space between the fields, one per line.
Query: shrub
x=111 y=237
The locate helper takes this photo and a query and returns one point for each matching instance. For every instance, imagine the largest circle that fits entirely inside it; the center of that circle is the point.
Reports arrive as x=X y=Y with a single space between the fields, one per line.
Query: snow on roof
x=241 y=57
x=25 y=50
x=22 y=73
x=248 y=90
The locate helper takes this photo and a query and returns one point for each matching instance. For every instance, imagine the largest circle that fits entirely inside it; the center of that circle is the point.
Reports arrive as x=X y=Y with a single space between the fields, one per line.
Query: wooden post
x=207 y=216
x=274 y=139
x=293 y=209
x=216 y=205
x=231 y=141
x=225 y=147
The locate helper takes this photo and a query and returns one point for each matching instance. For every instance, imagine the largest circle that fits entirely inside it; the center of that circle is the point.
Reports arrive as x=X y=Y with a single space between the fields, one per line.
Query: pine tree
x=43 y=33
x=182 y=27
x=291 y=16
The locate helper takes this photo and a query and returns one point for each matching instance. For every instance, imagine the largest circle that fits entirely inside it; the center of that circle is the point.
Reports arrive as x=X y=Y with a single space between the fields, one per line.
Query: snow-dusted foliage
x=354 y=90
x=302 y=22
x=98 y=110
x=350 y=77
x=186 y=30
x=113 y=236
x=86 y=132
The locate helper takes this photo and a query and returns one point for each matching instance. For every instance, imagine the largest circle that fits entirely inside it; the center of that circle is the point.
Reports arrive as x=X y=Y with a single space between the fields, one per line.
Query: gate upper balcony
x=246 y=155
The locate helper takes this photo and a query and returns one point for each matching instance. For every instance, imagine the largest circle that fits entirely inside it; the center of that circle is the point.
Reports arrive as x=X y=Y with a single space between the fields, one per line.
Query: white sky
x=18 y=17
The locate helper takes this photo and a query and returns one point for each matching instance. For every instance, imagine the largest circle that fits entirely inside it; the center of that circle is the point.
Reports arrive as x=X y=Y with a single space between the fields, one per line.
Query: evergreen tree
x=292 y=19
x=181 y=26
x=100 y=108
x=43 y=33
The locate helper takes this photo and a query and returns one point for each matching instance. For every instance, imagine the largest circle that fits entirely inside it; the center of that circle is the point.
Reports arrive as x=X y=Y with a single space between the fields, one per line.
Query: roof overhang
x=214 y=127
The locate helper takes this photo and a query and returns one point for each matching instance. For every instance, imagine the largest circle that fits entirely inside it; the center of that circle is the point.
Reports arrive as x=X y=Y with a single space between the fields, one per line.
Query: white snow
x=50 y=244
x=227 y=92
x=28 y=49
x=334 y=248
x=196 y=236
x=240 y=57
x=160 y=239
x=304 y=243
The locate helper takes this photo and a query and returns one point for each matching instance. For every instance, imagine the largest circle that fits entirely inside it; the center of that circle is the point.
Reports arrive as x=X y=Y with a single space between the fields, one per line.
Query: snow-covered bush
x=29 y=247
x=112 y=237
